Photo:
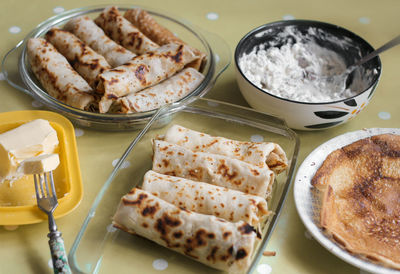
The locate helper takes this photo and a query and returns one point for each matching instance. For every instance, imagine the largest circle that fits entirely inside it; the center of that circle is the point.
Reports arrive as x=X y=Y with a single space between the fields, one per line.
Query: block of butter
x=39 y=164
x=29 y=140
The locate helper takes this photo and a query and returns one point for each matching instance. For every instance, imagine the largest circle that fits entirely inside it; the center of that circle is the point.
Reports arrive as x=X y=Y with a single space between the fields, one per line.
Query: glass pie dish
x=100 y=248
x=18 y=73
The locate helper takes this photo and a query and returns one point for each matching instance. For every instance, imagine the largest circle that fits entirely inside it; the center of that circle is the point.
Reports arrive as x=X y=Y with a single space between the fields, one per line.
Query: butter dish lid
x=17 y=199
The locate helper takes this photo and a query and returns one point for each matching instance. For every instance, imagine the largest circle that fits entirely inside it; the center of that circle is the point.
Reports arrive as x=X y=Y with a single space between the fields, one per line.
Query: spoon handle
x=394 y=42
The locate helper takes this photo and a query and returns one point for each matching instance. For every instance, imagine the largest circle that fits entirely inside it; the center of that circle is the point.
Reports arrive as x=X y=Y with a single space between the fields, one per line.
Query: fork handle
x=58 y=254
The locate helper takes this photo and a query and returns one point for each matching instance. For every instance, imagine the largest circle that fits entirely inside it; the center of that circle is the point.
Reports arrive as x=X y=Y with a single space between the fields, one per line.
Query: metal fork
x=47 y=202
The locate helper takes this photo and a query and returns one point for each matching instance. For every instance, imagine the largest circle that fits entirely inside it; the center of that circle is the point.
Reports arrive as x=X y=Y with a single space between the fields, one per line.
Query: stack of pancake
x=360 y=184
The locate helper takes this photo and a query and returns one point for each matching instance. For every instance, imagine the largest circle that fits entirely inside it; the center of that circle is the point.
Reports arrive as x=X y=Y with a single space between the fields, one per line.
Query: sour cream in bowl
x=287 y=69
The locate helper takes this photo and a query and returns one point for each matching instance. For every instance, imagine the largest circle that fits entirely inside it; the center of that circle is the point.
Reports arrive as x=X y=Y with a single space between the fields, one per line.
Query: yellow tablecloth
x=24 y=249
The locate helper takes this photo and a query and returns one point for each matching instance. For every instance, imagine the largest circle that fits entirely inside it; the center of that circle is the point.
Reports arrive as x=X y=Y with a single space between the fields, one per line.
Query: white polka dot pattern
x=50 y=264
x=14 y=29
x=125 y=164
x=79 y=132
x=216 y=56
x=384 y=115
x=365 y=272
x=213 y=104
x=256 y=138
x=288 y=17
x=160 y=264
x=308 y=235
x=36 y=104
x=264 y=269
x=364 y=20
x=212 y=16
x=58 y=9
x=10 y=227
x=111 y=228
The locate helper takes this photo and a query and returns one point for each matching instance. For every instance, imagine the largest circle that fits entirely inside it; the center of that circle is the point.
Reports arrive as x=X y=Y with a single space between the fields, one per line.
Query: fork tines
x=44 y=186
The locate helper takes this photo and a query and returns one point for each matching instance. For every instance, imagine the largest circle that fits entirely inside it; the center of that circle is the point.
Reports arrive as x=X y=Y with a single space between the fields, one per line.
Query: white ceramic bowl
x=303 y=115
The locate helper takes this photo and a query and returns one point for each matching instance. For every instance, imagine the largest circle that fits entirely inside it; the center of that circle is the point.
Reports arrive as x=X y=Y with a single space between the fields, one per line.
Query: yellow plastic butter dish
x=17 y=199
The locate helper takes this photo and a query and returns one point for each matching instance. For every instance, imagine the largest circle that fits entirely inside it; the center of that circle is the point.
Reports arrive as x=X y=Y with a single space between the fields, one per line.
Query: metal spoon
x=394 y=42
x=344 y=76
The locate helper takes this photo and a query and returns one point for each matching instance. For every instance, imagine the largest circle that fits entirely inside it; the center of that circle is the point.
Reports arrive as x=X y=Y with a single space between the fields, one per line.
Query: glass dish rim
x=169 y=110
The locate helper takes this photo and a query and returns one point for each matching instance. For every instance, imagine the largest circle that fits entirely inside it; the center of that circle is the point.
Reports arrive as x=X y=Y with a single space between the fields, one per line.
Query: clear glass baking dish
x=16 y=68
x=100 y=248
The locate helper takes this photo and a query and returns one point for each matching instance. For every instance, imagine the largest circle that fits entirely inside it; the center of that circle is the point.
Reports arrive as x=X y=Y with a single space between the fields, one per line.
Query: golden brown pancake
x=361 y=198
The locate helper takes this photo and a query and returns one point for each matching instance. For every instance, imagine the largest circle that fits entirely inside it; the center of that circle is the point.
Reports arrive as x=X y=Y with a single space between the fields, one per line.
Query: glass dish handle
x=9 y=68
x=221 y=56
x=221 y=50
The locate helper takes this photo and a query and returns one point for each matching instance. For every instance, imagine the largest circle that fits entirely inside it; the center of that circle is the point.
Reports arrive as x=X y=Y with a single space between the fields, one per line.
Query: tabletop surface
x=24 y=249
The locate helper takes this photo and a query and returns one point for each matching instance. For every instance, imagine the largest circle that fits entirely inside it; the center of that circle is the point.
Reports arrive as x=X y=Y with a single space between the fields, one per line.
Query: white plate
x=308 y=202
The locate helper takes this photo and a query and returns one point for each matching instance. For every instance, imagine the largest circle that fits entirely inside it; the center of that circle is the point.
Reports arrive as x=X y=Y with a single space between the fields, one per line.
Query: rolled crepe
x=170 y=90
x=122 y=31
x=57 y=76
x=158 y=33
x=260 y=154
x=88 y=63
x=207 y=239
x=92 y=35
x=209 y=199
x=149 y=27
x=143 y=71
x=171 y=159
